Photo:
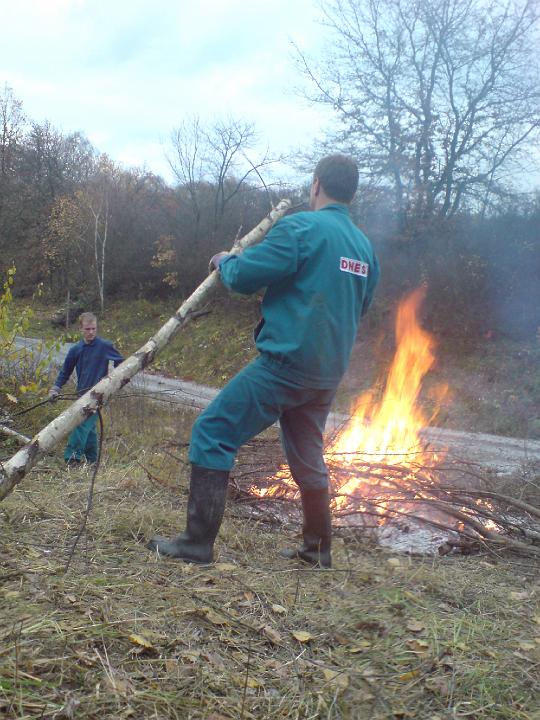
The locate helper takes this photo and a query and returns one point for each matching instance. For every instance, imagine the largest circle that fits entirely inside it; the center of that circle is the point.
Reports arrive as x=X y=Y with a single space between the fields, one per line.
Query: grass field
x=123 y=634
x=107 y=630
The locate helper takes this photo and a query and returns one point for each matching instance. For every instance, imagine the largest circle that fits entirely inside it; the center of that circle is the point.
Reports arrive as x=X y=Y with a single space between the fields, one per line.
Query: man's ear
x=316 y=186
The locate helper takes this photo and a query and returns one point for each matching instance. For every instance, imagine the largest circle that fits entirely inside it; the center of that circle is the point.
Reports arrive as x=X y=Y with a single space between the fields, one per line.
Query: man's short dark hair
x=338 y=175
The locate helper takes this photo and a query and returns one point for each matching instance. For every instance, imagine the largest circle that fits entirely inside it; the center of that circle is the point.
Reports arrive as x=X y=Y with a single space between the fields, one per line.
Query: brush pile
x=465 y=506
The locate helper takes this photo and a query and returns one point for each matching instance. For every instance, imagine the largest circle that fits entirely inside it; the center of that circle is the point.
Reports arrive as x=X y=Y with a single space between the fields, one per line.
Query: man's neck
x=320 y=199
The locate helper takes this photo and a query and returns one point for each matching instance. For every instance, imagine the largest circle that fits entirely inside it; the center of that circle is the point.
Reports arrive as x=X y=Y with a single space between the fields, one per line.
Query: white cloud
x=125 y=73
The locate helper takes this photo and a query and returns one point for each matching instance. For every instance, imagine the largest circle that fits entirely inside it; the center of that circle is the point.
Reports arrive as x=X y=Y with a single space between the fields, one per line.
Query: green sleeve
x=275 y=258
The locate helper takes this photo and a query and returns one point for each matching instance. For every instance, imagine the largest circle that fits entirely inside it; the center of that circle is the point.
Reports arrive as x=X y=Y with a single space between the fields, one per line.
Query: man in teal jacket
x=320 y=273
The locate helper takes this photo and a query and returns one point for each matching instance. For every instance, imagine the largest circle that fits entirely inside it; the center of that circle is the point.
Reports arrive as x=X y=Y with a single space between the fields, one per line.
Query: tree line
x=74 y=220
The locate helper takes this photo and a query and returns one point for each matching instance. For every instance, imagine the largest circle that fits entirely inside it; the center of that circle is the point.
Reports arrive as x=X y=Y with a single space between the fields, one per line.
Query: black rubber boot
x=206 y=504
x=317 y=530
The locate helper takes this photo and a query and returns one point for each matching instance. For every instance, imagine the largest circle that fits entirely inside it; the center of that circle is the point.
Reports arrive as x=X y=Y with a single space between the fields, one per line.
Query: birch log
x=13 y=433
x=13 y=471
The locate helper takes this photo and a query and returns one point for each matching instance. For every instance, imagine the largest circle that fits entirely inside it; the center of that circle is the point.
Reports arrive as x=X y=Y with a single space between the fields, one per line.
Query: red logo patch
x=356 y=267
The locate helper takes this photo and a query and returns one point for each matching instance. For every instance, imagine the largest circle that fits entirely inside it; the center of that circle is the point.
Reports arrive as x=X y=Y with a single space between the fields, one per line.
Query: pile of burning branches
x=384 y=479
x=454 y=499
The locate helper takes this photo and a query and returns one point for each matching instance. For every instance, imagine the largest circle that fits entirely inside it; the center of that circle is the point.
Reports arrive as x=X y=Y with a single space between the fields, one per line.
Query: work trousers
x=83 y=441
x=253 y=401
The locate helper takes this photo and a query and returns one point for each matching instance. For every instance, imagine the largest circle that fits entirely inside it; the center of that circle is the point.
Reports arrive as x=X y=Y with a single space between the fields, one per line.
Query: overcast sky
x=126 y=72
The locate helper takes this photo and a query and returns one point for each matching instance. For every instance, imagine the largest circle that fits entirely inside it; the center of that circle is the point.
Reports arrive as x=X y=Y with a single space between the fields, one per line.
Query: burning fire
x=390 y=428
x=388 y=431
x=385 y=432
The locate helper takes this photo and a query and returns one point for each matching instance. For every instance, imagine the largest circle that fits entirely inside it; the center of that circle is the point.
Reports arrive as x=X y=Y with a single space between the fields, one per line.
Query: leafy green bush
x=24 y=364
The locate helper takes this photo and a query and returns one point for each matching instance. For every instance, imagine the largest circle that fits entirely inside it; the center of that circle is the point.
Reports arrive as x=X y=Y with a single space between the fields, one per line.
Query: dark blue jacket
x=91 y=361
x=320 y=274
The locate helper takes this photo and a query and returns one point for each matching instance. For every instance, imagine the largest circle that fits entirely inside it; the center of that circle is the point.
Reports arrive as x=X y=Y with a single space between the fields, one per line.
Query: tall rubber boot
x=317 y=529
x=206 y=504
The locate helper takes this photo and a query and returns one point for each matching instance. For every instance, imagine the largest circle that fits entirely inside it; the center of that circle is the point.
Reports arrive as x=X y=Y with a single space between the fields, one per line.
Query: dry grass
x=124 y=635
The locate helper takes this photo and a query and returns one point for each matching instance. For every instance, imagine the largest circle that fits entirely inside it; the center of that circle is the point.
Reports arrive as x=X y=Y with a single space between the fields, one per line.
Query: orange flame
x=389 y=430
x=394 y=423
x=378 y=458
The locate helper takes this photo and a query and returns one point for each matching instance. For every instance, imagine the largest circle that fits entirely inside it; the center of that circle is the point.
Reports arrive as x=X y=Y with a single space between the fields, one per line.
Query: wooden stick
x=13 y=433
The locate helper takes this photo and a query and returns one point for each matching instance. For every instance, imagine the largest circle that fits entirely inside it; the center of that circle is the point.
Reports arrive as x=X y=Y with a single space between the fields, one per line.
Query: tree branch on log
x=513 y=502
x=14 y=470
x=13 y=433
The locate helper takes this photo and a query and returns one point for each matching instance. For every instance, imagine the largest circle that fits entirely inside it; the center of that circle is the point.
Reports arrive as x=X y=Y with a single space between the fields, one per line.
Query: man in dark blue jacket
x=90 y=358
x=320 y=273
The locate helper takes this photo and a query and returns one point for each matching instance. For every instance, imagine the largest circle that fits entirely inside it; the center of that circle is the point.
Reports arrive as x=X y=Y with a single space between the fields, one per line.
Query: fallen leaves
x=117 y=684
x=418 y=646
x=242 y=681
x=213 y=616
x=190 y=656
x=69 y=709
x=361 y=646
x=415 y=626
x=216 y=618
x=142 y=643
x=302 y=636
x=272 y=635
x=405 y=677
x=527 y=645
x=438 y=685
x=337 y=678
x=225 y=567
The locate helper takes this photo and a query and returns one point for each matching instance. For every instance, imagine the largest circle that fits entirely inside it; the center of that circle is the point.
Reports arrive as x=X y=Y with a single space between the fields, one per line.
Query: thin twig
x=89 y=501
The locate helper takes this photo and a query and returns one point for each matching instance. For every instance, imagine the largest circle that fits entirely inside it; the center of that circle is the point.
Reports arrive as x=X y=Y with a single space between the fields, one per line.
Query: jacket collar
x=339 y=207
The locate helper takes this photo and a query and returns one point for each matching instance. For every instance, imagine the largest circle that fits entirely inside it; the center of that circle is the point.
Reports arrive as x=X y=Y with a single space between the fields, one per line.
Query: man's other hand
x=216 y=260
x=54 y=392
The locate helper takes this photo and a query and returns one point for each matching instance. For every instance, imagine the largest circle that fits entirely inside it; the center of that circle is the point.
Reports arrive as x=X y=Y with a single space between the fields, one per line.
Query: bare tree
x=12 y=125
x=11 y=129
x=95 y=199
x=218 y=192
x=228 y=143
x=214 y=156
x=187 y=162
x=438 y=99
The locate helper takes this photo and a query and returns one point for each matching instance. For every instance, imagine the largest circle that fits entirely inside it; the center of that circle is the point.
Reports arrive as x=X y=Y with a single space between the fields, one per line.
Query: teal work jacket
x=320 y=273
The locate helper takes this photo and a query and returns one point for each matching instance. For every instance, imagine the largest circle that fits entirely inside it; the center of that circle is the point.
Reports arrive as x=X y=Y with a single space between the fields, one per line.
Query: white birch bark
x=14 y=470
x=5 y=430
